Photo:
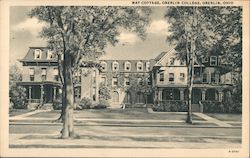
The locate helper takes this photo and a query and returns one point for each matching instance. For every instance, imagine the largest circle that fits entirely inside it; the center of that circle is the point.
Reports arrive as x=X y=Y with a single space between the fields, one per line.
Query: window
x=217 y=78
x=204 y=78
x=149 y=81
x=161 y=76
x=104 y=66
x=55 y=74
x=213 y=61
x=127 y=83
x=103 y=80
x=148 y=66
x=139 y=66
x=38 y=54
x=115 y=66
x=140 y=81
x=171 y=61
x=50 y=54
x=204 y=59
x=213 y=77
x=77 y=92
x=44 y=74
x=182 y=76
x=127 y=66
x=197 y=71
x=114 y=81
x=171 y=77
x=32 y=74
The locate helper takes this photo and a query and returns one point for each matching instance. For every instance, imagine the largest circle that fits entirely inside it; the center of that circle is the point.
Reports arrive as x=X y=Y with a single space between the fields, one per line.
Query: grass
x=129 y=113
x=15 y=112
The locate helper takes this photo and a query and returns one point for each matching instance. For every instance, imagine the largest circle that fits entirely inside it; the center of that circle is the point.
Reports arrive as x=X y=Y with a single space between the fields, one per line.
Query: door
x=115 y=97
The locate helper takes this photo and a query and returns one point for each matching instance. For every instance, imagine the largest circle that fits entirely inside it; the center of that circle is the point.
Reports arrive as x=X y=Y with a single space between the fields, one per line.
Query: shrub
x=18 y=97
x=85 y=103
x=57 y=104
x=171 y=106
x=103 y=104
x=221 y=107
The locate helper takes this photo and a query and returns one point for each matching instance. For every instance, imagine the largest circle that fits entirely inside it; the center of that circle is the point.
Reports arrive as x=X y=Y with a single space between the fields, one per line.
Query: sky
x=24 y=33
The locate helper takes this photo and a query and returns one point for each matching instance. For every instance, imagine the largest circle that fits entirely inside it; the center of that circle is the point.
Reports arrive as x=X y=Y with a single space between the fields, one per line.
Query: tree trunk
x=191 y=79
x=68 y=99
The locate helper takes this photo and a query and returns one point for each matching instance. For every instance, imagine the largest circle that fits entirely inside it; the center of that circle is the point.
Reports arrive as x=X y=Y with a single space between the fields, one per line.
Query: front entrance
x=115 y=97
x=196 y=96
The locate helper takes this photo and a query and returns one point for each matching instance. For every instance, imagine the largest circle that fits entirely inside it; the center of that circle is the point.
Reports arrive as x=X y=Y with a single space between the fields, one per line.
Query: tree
x=17 y=93
x=199 y=31
x=140 y=83
x=81 y=34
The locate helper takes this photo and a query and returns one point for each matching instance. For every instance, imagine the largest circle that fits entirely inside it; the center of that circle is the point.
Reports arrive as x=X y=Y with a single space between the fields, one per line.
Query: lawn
x=129 y=113
x=226 y=117
x=15 y=112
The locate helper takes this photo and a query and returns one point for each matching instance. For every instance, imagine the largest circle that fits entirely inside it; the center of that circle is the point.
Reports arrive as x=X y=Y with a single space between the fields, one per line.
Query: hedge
x=171 y=106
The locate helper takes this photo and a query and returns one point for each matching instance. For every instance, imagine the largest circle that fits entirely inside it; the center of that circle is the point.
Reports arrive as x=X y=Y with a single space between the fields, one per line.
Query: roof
x=29 y=57
x=158 y=57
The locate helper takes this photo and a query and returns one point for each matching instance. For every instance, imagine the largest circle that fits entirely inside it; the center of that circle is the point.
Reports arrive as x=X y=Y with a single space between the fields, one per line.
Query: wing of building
x=165 y=75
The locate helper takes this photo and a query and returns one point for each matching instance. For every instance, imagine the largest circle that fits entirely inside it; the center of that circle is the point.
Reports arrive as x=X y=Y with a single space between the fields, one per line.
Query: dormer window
x=38 y=54
x=104 y=66
x=171 y=61
x=139 y=66
x=50 y=54
x=148 y=66
x=115 y=66
x=127 y=66
x=213 y=60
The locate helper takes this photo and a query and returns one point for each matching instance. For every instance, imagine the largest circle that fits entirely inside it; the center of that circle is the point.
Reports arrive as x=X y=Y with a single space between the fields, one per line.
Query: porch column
x=160 y=95
x=97 y=85
x=30 y=88
x=181 y=93
x=42 y=93
x=203 y=94
x=220 y=95
x=54 y=93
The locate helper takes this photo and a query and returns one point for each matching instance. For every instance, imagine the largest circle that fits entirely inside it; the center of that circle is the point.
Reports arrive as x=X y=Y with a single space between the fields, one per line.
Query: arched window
x=115 y=66
x=139 y=66
x=127 y=66
x=104 y=66
x=38 y=54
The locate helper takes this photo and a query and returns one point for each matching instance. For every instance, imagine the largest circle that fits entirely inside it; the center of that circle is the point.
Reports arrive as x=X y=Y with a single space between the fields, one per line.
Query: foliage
x=171 y=106
x=221 y=107
x=85 y=103
x=57 y=104
x=80 y=34
x=199 y=32
x=103 y=104
x=104 y=92
x=18 y=96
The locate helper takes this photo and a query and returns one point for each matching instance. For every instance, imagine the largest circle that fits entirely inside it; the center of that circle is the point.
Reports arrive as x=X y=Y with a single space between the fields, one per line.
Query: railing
x=34 y=100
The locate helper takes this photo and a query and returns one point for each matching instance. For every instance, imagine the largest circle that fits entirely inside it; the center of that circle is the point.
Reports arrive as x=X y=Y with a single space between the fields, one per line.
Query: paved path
x=211 y=119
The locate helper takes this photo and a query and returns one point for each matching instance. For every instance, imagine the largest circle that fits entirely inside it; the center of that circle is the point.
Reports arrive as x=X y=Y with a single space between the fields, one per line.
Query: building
x=40 y=76
x=165 y=75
